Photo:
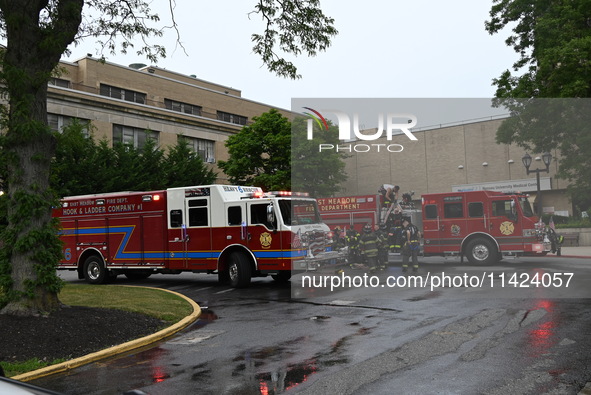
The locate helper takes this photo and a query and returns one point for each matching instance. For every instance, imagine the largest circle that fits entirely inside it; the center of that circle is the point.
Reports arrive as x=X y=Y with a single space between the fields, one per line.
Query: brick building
x=464 y=156
x=122 y=102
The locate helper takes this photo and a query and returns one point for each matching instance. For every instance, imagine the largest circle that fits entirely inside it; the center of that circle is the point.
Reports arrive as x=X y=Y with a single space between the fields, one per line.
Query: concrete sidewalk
x=576 y=252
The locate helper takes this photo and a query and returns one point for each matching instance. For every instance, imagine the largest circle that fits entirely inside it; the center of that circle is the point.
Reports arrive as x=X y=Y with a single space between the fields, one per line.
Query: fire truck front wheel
x=95 y=271
x=239 y=270
x=482 y=252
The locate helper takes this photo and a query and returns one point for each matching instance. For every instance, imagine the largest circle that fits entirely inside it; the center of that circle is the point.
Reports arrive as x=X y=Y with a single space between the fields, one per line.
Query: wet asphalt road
x=491 y=339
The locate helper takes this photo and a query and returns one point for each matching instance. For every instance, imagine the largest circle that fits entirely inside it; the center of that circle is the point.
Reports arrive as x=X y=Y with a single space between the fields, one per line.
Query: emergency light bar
x=289 y=193
x=257 y=195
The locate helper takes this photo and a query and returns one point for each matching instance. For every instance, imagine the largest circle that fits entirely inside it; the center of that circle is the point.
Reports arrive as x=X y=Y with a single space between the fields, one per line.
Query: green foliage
x=291 y=27
x=275 y=154
x=184 y=167
x=260 y=153
x=319 y=173
x=82 y=166
x=553 y=41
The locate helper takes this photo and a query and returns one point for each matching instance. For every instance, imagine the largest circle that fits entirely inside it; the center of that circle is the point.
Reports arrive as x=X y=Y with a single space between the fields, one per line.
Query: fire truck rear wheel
x=482 y=252
x=95 y=271
x=239 y=270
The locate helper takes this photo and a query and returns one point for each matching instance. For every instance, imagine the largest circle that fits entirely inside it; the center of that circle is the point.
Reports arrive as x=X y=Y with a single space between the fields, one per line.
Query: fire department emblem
x=507 y=228
x=266 y=239
x=455 y=230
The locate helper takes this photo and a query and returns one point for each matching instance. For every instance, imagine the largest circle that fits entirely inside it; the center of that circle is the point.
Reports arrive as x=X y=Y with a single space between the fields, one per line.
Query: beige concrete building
x=123 y=102
x=460 y=157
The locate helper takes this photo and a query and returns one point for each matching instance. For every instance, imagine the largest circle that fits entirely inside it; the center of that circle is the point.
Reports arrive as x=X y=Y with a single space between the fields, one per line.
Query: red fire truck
x=233 y=231
x=350 y=211
x=481 y=225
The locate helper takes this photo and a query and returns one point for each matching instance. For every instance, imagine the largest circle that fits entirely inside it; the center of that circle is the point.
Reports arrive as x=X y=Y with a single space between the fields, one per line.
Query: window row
x=135 y=137
x=475 y=209
x=198 y=215
x=182 y=107
x=123 y=94
x=232 y=118
x=138 y=97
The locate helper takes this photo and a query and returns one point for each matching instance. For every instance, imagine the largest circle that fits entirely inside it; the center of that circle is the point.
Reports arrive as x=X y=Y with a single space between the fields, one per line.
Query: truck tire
x=482 y=251
x=282 y=277
x=239 y=270
x=95 y=271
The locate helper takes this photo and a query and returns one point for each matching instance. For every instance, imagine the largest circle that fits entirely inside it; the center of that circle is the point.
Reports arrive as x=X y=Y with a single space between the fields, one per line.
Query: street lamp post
x=546 y=158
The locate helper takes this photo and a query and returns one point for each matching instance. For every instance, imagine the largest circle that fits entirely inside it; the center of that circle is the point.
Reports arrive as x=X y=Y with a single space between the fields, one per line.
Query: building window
x=232 y=118
x=203 y=148
x=123 y=94
x=59 y=82
x=58 y=122
x=182 y=107
x=133 y=136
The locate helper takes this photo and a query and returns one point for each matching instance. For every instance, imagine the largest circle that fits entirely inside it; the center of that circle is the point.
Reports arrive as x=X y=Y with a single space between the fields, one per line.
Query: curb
x=119 y=349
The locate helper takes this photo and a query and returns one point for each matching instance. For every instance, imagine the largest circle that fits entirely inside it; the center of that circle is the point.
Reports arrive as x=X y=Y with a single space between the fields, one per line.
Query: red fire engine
x=349 y=212
x=236 y=232
x=481 y=225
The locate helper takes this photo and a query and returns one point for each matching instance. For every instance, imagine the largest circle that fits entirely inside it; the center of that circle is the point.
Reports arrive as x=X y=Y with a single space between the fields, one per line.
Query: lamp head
x=526 y=161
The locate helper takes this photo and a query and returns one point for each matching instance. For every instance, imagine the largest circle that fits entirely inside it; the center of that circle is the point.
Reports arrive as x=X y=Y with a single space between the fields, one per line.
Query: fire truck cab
x=481 y=225
x=234 y=231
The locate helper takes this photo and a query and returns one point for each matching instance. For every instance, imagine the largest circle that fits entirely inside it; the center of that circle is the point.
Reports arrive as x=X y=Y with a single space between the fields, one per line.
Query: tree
x=260 y=153
x=82 y=166
x=553 y=40
x=37 y=33
x=183 y=167
x=274 y=154
x=318 y=172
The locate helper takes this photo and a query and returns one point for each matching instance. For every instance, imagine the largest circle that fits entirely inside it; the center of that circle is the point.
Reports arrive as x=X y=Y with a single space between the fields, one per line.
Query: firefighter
x=395 y=233
x=337 y=240
x=556 y=241
x=389 y=194
x=352 y=241
x=369 y=247
x=410 y=249
x=383 y=245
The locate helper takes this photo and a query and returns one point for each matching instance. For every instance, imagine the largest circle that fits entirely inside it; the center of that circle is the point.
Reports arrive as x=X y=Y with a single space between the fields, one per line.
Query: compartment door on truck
x=431 y=227
x=453 y=226
x=198 y=248
x=504 y=223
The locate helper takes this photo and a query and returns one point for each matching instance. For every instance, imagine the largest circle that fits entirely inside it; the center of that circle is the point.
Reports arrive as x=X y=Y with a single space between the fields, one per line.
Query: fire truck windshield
x=525 y=207
x=299 y=212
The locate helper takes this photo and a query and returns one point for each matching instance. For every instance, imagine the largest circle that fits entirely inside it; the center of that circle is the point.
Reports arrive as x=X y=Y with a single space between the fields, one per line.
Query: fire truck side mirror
x=270 y=215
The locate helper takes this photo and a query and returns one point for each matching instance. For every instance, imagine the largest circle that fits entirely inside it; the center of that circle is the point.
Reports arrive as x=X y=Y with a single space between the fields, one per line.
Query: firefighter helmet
x=367 y=228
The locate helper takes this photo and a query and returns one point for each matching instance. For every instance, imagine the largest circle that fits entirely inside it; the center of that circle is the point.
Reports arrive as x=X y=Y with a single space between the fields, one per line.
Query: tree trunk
x=31 y=248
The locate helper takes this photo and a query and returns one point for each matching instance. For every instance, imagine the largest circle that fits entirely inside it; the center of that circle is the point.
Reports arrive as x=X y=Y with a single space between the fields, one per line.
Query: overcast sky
x=384 y=49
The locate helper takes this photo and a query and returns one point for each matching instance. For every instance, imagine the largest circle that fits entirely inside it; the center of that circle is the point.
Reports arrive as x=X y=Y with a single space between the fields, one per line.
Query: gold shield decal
x=266 y=239
x=507 y=228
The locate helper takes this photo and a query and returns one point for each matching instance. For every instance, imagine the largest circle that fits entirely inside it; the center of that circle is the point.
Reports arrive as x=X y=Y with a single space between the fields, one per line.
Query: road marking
x=224 y=291
x=342 y=302
x=196 y=337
